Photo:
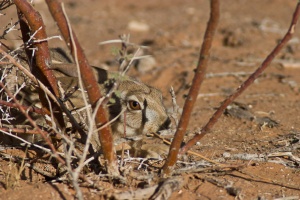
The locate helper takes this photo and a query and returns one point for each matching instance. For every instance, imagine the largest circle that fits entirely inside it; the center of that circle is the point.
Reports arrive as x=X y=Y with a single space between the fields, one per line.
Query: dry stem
x=27 y=108
x=246 y=84
x=39 y=60
x=192 y=96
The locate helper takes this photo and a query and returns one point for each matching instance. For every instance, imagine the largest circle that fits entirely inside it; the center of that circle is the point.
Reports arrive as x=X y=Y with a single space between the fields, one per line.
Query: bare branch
x=246 y=84
x=39 y=60
x=22 y=130
x=27 y=108
x=192 y=96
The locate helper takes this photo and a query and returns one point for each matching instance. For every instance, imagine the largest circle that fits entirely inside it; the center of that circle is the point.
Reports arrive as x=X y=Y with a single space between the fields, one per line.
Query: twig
x=5 y=4
x=200 y=168
x=246 y=84
x=122 y=41
x=73 y=174
x=261 y=179
x=288 y=198
x=48 y=38
x=175 y=113
x=285 y=154
x=197 y=80
x=234 y=74
x=7 y=30
x=27 y=108
x=112 y=120
x=39 y=59
x=24 y=141
x=22 y=130
x=43 y=59
x=29 y=144
x=189 y=152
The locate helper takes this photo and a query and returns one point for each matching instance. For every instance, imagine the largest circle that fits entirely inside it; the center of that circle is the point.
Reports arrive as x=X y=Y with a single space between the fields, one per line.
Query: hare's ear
x=59 y=55
x=68 y=69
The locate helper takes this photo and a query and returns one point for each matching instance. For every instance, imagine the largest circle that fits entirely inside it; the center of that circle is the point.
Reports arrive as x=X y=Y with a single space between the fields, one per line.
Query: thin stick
x=189 y=152
x=39 y=59
x=192 y=96
x=22 y=130
x=175 y=113
x=42 y=55
x=246 y=84
x=25 y=141
x=260 y=179
x=27 y=108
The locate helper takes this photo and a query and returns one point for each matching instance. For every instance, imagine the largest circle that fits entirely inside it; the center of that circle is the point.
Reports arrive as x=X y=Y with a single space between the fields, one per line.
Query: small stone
x=190 y=10
x=146 y=64
x=226 y=155
x=138 y=26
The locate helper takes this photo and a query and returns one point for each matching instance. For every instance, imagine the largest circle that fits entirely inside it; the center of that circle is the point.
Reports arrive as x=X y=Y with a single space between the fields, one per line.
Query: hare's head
x=142 y=109
x=135 y=108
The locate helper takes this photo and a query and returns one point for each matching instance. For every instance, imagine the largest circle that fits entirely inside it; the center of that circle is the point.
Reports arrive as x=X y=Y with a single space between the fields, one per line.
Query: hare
x=136 y=107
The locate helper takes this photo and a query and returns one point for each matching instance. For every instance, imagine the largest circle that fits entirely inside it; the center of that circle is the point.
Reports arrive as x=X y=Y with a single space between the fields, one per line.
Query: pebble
x=226 y=155
x=138 y=26
x=146 y=64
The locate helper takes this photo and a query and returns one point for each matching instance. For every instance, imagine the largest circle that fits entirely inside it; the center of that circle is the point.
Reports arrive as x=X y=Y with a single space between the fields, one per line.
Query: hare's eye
x=134 y=105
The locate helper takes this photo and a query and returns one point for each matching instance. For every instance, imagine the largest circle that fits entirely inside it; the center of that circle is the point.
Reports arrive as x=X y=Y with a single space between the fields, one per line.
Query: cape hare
x=137 y=109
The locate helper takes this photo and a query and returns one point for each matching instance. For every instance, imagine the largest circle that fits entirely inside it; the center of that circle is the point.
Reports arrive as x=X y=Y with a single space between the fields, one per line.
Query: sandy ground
x=247 y=32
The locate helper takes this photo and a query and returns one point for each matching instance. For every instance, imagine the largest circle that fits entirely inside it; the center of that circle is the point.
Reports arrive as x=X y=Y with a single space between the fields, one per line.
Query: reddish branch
x=31 y=20
x=43 y=59
x=193 y=93
x=90 y=83
x=27 y=108
x=246 y=84
x=23 y=130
